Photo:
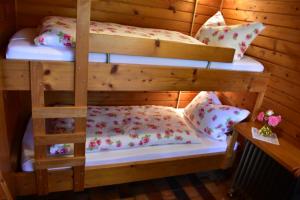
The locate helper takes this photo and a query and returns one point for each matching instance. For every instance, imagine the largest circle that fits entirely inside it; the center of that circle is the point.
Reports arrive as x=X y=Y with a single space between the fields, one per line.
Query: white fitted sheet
x=207 y=145
x=21 y=47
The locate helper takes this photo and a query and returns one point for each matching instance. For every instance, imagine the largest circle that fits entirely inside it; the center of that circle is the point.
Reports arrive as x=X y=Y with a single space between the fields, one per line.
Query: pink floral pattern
x=61 y=32
x=121 y=127
x=239 y=37
x=209 y=116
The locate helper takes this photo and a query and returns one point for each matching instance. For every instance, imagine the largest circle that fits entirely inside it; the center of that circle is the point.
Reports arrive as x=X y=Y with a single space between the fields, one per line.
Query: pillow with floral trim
x=238 y=37
x=57 y=31
x=216 y=120
x=201 y=99
x=216 y=20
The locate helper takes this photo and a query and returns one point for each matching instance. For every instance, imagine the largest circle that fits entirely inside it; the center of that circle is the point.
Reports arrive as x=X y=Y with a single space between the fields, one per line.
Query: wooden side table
x=266 y=171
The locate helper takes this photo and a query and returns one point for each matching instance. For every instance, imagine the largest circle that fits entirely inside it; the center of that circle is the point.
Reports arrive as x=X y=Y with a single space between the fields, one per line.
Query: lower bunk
x=133 y=143
x=110 y=174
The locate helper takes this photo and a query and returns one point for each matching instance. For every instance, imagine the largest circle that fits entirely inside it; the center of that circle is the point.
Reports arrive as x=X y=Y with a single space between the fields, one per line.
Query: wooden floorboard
x=205 y=186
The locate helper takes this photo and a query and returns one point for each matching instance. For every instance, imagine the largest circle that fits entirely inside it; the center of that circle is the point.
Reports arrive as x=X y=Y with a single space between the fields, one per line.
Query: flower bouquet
x=270 y=121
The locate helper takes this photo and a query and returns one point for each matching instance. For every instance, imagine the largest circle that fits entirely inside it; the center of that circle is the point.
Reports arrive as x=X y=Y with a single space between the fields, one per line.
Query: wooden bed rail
x=103 y=43
x=58 y=76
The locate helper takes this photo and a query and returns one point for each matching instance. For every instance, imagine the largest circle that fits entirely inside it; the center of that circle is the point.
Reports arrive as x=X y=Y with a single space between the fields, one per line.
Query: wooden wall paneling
x=5 y=165
x=7 y=21
x=124 y=98
x=5 y=193
x=174 y=15
x=278 y=48
x=7 y=27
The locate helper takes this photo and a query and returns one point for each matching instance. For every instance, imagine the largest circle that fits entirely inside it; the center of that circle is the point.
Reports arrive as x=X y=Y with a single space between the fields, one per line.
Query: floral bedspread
x=61 y=31
x=121 y=127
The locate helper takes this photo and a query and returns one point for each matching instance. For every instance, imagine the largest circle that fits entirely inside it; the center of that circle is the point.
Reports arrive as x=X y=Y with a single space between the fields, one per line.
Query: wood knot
x=114 y=69
x=171 y=7
x=135 y=12
x=47 y=86
x=157 y=43
x=47 y=72
x=194 y=72
x=110 y=85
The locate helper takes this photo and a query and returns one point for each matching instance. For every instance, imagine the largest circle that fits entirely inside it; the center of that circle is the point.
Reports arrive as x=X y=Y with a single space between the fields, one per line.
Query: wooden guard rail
x=103 y=43
x=39 y=112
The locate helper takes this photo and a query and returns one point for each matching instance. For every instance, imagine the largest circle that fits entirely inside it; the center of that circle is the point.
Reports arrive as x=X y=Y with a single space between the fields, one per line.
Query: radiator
x=258 y=176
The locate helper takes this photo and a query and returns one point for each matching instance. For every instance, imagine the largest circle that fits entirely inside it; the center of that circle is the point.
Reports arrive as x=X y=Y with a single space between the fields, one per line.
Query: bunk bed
x=82 y=76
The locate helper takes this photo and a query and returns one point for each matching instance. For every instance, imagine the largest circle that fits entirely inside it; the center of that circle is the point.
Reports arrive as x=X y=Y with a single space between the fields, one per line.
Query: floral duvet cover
x=122 y=127
x=61 y=32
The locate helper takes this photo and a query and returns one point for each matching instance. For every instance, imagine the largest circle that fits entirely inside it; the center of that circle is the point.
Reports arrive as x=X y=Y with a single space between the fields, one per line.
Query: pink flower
x=119 y=144
x=68 y=44
x=67 y=37
x=235 y=36
x=214 y=117
x=248 y=36
x=158 y=135
x=41 y=40
x=274 y=120
x=215 y=33
x=221 y=37
x=178 y=138
x=146 y=140
x=205 y=40
x=260 y=116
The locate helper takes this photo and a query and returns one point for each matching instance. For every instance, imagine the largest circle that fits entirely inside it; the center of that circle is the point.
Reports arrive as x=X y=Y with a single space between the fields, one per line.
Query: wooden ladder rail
x=40 y=112
x=81 y=79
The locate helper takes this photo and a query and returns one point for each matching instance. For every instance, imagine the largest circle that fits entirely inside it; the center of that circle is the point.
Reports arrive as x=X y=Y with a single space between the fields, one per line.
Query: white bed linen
x=245 y=64
x=130 y=155
x=21 y=47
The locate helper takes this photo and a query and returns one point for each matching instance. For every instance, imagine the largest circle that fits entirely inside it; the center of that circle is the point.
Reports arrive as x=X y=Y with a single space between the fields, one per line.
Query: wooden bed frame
x=81 y=76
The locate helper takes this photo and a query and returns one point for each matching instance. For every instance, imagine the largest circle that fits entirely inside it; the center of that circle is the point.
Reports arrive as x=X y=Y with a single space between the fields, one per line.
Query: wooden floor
x=208 y=186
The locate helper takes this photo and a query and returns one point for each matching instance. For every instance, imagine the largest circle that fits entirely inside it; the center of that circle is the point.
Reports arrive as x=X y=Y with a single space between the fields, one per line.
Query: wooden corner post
x=257 y=105
x=81 y=78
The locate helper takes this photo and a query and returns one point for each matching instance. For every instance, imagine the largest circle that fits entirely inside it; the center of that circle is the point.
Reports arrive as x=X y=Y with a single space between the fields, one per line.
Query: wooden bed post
x=230 y=148
x=221 y=5
x=257 y=105
x=194 y=17
x=81 y=79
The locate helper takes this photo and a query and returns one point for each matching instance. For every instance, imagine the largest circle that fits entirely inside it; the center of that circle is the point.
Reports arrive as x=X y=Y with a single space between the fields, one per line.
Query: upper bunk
x=129 y=62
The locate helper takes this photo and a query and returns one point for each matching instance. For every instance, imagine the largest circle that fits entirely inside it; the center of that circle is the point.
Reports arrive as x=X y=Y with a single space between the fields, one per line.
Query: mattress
x=206 y=146
x=21 y=47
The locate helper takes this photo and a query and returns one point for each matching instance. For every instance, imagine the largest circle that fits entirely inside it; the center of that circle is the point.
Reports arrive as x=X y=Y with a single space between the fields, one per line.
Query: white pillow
x=202 y=98
x=216 y=120
x=216 y=20
x=238 y=37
